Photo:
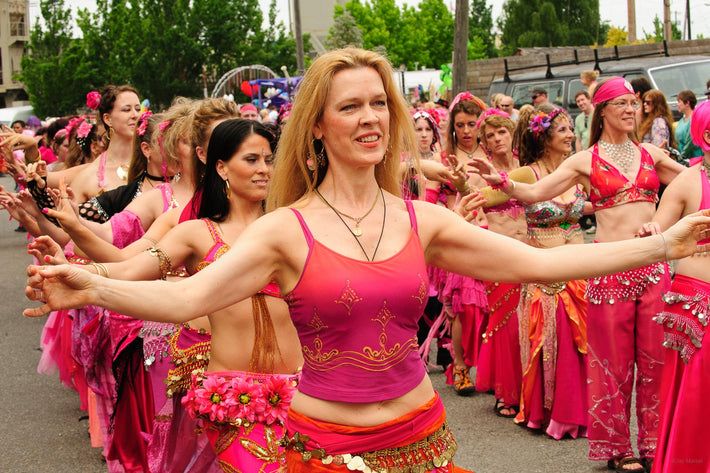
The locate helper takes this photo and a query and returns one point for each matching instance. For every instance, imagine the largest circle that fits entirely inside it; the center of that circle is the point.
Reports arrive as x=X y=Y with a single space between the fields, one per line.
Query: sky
x=613 y=11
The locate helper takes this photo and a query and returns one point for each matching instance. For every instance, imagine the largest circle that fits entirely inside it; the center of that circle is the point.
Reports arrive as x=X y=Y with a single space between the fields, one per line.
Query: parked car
x=670 y=75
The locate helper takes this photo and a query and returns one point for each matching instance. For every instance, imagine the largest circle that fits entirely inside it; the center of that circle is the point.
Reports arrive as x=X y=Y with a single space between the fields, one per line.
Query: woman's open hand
x=58 y=287
x=484 y=168
x=47 y=251
x=682 y=239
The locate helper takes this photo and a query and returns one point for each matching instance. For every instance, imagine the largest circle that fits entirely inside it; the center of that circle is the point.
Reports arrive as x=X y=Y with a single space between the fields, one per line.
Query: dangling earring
x=227 y=189
x=316 y=160
x=388 y=151
x=109 y=133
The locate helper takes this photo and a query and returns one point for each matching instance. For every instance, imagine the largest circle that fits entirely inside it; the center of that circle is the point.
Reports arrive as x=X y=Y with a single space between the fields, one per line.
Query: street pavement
x=43 y=430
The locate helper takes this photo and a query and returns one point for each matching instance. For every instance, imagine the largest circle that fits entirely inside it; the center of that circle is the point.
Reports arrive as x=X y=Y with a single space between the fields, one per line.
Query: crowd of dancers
x=226 y=295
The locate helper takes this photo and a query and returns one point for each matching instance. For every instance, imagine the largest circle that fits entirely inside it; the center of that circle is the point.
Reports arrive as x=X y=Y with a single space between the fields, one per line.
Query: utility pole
x=667 y=30
x=460 y=46
x=300 y=62
x=631 y=18
x=687 y=17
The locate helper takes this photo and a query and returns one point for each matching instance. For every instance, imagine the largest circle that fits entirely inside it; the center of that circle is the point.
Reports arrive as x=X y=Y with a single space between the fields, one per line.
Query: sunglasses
x=535 y=96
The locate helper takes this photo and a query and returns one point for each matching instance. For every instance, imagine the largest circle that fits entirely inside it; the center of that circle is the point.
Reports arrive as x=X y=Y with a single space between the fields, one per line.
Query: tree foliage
x=545 y=23
x=162 y=47
x=480 y=30
x=415 y=37
x=344 y=31
x=657 y=35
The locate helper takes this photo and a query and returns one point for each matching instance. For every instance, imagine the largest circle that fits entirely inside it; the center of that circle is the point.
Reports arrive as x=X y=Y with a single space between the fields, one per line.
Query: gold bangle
x=163 y=260
x=101 y=269
x=153 y=241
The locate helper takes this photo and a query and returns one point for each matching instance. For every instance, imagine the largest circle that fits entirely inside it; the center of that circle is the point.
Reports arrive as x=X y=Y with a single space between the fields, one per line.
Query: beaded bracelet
x=163 y=260
x=503 y=183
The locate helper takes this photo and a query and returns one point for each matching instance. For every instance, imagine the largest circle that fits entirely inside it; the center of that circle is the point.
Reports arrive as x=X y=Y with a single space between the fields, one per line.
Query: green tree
x=616 y=37
x=49 y=69
x=529 y=23
x=480 y=30
x=656 y=35
x=163 y=47
x=344 y=31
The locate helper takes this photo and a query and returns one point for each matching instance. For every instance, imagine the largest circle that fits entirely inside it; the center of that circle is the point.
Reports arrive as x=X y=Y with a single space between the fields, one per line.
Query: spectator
x=506 y=104
x=18 y=126
x=249 y=112
x=657 y=121
x=589 y=79
x=581 y=123
x=539 y=97
x=641 y=85
x=686 y=104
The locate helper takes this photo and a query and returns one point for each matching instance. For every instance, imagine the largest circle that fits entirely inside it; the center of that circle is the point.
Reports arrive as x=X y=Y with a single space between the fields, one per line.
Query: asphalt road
x=41 y=430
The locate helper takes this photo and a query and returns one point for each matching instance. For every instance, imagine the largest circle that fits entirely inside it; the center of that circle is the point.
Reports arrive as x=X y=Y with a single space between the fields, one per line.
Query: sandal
x=462 y=382
x=618 y=465
x=500 y=407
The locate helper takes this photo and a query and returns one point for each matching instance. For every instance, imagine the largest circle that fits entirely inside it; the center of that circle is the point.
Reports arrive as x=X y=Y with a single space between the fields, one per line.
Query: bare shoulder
x=581 y=161
x=655 y=152
x=431 y=219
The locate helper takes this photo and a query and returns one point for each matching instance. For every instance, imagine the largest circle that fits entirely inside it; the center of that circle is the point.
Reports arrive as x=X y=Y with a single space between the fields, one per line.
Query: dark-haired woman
x=242 y=395
x=553 y=317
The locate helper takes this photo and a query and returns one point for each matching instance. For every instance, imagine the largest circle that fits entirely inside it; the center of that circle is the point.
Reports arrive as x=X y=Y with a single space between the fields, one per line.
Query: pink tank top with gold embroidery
x=357 y=321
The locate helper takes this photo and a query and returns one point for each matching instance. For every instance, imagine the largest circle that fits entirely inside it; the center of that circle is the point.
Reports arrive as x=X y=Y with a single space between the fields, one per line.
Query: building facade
x=14 y=37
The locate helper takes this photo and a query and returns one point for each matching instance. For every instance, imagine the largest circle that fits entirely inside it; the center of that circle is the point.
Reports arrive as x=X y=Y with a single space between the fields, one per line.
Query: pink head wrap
x=466 y=95
x=699 y=123
x=488 y=113
x=612 y=88
x=248 y=107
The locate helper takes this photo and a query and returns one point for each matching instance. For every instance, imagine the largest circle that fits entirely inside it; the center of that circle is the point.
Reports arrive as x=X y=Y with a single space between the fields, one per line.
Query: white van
x=10 y=114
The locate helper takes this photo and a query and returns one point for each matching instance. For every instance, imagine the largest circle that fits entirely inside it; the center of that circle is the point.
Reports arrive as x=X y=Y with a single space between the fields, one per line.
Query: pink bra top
x=610 y=188
x=705 y=197
x=357 y=321
x=219 y=248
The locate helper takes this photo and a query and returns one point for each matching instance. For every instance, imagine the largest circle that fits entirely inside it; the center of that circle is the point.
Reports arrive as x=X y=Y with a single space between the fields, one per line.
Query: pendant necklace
x=623 y=155
x=356 y=232
x=470 y=155
x=122 y=172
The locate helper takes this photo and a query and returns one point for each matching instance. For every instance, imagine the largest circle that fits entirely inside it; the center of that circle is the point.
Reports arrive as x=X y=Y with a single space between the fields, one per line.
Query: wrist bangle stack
x=163 y=260
x=101 y=269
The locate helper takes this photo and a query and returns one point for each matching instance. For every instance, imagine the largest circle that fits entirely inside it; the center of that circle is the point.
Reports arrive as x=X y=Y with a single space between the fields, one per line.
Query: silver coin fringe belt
x=685 y=318
x=625 y=286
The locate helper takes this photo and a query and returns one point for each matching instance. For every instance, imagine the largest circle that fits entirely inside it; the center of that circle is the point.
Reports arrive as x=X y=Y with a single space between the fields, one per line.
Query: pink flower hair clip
x=93 y=99
x=143 y=122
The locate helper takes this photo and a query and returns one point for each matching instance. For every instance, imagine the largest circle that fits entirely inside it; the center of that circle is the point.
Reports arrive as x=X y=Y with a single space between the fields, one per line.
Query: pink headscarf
x=699 y=123
x=612 y=88
x=248 y=107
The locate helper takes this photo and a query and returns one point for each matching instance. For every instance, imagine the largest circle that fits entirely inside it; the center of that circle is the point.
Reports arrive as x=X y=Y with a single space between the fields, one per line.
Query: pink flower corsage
x=84 y=129
x=213 y=399
x=503 y=183
x=279 y=393
x=93 y=99
x=143 y=122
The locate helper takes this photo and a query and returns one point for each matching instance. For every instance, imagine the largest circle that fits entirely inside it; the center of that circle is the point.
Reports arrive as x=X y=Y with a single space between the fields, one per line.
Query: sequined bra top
x=357 y=321
x=219 y=248
x=551 y=213
x=610 y=188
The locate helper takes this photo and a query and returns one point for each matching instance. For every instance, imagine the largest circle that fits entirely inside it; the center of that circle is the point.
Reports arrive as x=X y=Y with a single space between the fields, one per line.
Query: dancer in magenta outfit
x=622 y=180
x=346 y=413
x=684 y=316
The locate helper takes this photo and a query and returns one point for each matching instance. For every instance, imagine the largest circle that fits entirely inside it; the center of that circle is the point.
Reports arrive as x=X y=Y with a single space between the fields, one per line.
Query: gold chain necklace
x=357 y=231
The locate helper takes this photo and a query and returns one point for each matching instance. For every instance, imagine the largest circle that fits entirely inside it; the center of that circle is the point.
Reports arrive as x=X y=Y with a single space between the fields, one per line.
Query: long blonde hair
x=292 y=178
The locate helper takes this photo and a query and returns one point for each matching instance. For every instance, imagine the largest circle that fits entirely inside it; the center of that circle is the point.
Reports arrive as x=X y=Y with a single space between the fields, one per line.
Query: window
x=521 y=92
